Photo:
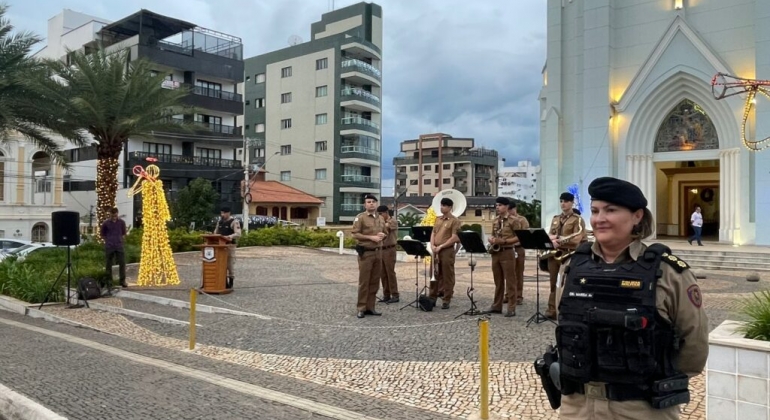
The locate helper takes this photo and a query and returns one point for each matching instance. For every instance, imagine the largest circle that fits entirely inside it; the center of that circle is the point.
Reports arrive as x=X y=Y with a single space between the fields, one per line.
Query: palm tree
x=113 y=99
x=22 y=109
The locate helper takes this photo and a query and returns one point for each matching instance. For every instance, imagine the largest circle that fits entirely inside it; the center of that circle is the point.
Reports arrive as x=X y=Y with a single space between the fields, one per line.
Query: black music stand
x=422 y=233
x=472 y=243
x=536 y=239
x=418 y=250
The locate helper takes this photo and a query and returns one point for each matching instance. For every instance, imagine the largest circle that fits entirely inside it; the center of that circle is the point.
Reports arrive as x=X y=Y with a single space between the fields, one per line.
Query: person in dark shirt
x=113 y=231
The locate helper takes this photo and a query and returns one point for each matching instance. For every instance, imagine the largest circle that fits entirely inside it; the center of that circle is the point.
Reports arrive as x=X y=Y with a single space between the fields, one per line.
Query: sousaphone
x=457 y=198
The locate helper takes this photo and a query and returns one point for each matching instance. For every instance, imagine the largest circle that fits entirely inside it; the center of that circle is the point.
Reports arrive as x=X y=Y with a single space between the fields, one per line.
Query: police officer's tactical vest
x=610 y=330
x=225 y=227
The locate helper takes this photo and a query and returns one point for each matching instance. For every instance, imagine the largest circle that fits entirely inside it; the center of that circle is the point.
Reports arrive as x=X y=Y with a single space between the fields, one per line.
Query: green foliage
x=409 y=219
x=474 y=227
x=279 y=235
x=195 y=203
x=183 y=241
x=757 y=309
x=23 y=282
x=531 y=211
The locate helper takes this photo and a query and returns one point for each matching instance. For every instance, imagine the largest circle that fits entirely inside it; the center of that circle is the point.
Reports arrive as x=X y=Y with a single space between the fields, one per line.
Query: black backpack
x=426 y=303
x=88 y=289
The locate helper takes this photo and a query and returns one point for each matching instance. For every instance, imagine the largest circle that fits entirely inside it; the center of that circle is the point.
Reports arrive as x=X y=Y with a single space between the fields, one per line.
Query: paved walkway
x=405 y=364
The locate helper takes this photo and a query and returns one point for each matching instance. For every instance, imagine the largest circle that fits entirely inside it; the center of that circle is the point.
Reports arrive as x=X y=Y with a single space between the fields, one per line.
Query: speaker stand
x=68 y=268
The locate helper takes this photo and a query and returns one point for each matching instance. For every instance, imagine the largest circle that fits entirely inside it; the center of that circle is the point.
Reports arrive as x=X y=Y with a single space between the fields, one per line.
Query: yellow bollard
x=193 y=298
x=484 y=349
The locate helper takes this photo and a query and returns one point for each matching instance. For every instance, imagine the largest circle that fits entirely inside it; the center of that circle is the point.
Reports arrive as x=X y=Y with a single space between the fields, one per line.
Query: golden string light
x=157 y=266
x=725 y=85
x=106 y=191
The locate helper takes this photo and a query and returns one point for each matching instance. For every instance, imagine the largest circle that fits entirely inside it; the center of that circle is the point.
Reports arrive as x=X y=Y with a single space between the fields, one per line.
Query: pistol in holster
x=547 y=367
x=360 y=250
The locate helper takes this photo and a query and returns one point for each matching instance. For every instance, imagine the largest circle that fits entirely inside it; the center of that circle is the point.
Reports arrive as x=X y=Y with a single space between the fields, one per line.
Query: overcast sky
x=465 y=68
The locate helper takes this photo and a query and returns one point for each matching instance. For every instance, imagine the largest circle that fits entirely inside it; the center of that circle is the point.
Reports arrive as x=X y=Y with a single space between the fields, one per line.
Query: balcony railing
x=483 y=175
x=359 y=149
x=366 y=179
x=352 y=207
x=187 y=160
x=460 y=173
x=215 y=93
x=362 y=66
x=213 y=127
x=360 y=121
x=461 y=188
x=355 y=91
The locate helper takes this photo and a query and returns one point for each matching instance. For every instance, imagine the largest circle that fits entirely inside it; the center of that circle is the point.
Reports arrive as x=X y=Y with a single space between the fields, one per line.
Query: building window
x=156 y=148
x=447 y=166
x=259 y=103
x=446 y=181
x=320 y=146
x=259 y=78
x=413 y=168
x=285 y=124
x=321 y=91
x=286 y=72
x=426 y=181
x=320 y=174
x=321 y=63
x=205 y=153
x=211 y=120
x=320 y=119
x=286 y=149
x=286 y=98
x=401 y=182
x=259 y=128
x=412 y=182
x=426 y=167
x=477 y=213
x=40 y=232
x=205 y=84
x=285 y=175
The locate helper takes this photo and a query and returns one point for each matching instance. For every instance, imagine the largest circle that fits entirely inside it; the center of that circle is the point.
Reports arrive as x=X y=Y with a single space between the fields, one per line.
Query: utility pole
x=246 y=187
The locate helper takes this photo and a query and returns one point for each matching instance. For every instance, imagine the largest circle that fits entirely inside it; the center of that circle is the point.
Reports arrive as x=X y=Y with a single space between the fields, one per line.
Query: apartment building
x=313 y=111
x=520 y=181
x=207 y=62
x=436 y=162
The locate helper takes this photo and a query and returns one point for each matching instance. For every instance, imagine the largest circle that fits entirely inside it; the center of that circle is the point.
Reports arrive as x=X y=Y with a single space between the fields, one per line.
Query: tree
x=113 y=99
x=23 y=109
x=408 y=219
x=195 y=203
x=531 y=211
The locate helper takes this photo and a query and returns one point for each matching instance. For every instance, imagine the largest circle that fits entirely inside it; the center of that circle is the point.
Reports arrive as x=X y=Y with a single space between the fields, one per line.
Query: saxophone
x=559 y=254
x=497 y=233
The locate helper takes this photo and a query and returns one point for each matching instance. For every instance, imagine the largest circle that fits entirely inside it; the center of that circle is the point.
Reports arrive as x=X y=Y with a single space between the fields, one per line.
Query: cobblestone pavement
x=406 y=357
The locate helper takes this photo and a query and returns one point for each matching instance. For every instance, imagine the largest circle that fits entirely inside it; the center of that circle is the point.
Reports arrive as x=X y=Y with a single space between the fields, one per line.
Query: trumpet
x=433 y=267
x=559 y=254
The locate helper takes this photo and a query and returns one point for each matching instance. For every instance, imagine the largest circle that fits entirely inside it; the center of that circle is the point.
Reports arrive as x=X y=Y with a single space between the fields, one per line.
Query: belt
x=387 y=247
x=602 y=391
x=507 y=247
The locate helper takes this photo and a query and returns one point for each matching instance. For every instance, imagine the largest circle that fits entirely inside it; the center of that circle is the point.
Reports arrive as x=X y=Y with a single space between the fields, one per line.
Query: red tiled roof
x=275 y=192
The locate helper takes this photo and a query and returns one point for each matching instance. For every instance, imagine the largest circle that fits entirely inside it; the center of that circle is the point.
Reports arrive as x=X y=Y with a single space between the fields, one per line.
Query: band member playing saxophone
x=442 y=242
x=565 y=229
x=503 y=258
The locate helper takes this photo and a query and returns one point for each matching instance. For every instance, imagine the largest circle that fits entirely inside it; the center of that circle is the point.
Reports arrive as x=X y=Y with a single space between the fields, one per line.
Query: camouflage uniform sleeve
x=679 y=300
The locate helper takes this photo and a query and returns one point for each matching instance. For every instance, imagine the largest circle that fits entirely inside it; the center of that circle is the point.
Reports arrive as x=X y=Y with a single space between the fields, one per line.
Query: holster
x=543 y=368
x=360 y=250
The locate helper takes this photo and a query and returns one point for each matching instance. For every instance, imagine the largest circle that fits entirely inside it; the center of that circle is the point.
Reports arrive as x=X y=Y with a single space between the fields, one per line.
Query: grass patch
x=757 y=309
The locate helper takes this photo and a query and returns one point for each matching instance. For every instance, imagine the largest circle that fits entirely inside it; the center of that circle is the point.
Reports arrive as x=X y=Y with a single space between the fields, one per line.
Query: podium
x=214 y=256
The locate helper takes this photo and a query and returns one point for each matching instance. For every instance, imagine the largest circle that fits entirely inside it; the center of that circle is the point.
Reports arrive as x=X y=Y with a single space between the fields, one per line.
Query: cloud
x=469 y=69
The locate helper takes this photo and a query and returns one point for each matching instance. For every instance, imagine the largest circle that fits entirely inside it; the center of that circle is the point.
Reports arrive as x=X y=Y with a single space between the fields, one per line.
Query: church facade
x=627 y=93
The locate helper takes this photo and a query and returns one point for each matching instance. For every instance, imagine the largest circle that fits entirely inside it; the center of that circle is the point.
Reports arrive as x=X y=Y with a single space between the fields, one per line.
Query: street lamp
x=247 y=185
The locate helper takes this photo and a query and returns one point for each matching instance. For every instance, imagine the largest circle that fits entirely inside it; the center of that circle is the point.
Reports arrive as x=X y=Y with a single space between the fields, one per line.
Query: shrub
x=23 y=282
x=757 y=309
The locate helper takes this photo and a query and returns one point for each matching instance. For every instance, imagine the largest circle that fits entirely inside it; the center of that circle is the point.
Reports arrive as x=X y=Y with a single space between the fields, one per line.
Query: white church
x=627 y=93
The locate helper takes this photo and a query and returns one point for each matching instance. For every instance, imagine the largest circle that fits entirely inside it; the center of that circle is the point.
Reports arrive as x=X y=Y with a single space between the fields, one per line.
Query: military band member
x=562 y=226
x=628 y=353
x=442 y=241
x=369 y=231
x=230 y=228
x=503 y=261
x=520 y=223
x=388 y=275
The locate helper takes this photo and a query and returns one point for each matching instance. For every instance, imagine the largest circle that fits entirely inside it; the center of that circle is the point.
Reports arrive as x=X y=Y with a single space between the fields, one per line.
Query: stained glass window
x=686 y=127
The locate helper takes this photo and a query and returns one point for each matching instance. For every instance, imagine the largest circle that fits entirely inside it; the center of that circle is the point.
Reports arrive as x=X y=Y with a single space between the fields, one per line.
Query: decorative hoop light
x=725 y=85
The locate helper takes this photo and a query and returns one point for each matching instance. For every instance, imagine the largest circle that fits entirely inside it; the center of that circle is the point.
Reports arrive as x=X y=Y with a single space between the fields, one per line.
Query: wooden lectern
x=214 y=258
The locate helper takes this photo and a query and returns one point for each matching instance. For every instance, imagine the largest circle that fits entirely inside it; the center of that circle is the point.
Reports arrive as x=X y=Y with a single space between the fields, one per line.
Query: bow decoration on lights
x=725 y=85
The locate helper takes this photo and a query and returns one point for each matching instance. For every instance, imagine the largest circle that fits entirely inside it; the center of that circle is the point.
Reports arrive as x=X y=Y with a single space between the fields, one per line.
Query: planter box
x=737 y=376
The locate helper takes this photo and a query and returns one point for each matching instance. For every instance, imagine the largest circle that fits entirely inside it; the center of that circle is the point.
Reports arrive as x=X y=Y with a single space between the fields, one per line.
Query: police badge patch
x=693 y=293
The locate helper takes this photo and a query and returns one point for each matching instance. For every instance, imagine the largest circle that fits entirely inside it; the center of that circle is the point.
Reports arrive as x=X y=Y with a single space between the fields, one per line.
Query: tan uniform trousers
x=231 y=260
x=504 y=273
x=521 y=256
x=388 y=273
x=445 y=279
x=553 y=272
x=369 y=268
x=580 y=407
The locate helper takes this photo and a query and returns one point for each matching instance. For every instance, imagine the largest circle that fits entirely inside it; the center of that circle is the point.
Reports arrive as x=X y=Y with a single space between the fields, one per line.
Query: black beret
x=567 y=197
x=225 y=209
x=617 y=191
x=447 y=202
x=511 y=203
x=382 y=209
x=370 y=197
x=504 y=201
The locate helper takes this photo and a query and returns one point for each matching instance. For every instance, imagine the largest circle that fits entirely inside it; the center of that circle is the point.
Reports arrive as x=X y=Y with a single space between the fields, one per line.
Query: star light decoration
x=157 y=266
x=429 y=220
x=725 y=85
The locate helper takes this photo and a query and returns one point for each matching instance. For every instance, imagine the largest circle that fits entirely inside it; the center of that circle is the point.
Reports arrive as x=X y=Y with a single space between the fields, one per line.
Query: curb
x=15 y=406
x=160 y=300
x=23 y=308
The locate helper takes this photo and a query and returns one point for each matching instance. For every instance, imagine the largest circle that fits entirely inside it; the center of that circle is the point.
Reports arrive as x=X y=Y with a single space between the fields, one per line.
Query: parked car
x=21 y=252
x=7 y=245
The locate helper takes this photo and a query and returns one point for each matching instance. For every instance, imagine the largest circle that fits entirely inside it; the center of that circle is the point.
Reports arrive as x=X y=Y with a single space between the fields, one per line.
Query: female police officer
x=632 y=328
